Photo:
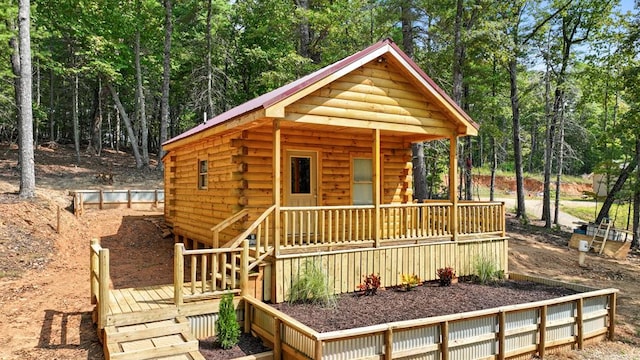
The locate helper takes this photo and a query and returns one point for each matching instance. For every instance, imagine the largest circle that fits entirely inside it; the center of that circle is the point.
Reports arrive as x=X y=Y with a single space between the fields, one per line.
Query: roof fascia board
x=232 y=124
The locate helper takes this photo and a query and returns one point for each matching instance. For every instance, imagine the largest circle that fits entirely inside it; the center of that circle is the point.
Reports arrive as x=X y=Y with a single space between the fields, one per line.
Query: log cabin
x=321 y=169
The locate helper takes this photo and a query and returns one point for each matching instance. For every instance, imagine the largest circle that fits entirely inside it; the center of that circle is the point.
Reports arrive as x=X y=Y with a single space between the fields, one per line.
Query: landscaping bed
x=428 y=300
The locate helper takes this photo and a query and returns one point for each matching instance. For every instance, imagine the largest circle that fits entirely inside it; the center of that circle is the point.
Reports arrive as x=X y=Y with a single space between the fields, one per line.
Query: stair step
x=166 y=339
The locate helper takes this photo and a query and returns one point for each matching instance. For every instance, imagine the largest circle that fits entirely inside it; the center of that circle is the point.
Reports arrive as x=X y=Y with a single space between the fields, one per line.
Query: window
x=362 y=182
x=300 y=175
x=203 y=178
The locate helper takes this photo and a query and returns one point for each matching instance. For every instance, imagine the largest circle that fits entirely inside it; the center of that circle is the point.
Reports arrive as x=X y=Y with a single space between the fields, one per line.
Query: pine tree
x=227 y=327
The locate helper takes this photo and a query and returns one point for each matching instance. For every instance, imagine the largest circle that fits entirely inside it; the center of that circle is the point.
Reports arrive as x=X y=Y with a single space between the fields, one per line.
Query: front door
x=301 y=177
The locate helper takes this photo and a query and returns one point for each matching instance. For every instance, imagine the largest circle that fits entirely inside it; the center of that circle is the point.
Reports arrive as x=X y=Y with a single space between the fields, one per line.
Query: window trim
x=354 y=182
x=203 y=176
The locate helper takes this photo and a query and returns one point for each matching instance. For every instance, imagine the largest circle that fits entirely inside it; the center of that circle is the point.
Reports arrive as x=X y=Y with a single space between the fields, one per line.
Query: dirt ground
x=44 y=275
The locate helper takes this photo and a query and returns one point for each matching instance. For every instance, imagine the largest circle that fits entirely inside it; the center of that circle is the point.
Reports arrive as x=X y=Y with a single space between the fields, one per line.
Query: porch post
x=376 y=186
x=453 y=172
x=276 y=185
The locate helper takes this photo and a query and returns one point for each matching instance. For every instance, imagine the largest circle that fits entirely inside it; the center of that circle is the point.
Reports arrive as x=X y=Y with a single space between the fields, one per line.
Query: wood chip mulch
x=424 y=301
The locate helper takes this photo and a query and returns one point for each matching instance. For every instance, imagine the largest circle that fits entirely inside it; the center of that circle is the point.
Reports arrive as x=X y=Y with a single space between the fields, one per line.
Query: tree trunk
x=74 y=116
x=635 y=243
x=624 y=174
x=559 y=170
x=209 y=109
x=96 y=125
x=27 y=163
x=52 y=122
x=406 y=17
x=127 y=123
x=517 y=145
x=494 y=167
x=303 y=30
x=141 y=101
x=166 y=65
x=419 y=172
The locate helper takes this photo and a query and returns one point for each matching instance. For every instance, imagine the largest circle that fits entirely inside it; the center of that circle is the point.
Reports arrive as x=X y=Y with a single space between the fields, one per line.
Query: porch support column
x=453 y=172
x=376 y=186
x=276 y=185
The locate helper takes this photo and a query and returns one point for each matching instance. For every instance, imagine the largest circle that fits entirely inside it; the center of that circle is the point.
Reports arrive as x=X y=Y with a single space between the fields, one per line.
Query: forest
x=554 y=84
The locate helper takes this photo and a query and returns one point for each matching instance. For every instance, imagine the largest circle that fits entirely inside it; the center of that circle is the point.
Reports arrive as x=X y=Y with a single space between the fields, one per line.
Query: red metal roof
x=274 y=96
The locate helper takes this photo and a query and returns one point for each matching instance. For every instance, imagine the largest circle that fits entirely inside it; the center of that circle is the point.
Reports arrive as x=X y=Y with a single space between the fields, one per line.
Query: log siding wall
x=194 y=210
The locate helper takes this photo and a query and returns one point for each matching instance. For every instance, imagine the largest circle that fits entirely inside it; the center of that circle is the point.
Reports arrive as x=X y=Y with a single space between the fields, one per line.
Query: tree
x=166 y=73
x=27 y=164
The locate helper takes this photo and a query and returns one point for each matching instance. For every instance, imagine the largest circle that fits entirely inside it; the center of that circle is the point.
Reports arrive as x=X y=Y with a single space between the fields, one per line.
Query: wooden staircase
x=164 y=339
x=600 y=235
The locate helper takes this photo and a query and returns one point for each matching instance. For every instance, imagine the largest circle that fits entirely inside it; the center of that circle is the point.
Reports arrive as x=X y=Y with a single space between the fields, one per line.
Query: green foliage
x=227 y=327
x=486 y=270
x=311 y=285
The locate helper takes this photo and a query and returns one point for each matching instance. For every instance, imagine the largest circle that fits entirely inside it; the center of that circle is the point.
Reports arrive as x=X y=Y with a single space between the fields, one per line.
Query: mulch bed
x=427 y=300
x=424 y=301
x=248 y=345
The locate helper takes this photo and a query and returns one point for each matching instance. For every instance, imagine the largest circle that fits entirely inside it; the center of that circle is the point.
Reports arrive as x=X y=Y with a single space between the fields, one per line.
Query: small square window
x=203 y=179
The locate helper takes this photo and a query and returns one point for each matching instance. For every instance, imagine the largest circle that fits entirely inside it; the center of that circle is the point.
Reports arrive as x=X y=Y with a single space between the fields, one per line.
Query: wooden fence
x=506 y=332
x=346 y=268
x=107 y=198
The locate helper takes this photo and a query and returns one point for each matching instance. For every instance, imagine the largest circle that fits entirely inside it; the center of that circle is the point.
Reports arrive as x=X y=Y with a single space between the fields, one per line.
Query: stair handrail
x=226 y=223
x=234 y=243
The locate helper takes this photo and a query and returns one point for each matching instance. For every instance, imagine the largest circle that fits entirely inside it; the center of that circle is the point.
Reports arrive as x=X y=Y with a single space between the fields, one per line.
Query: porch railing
x=354 y=225
x=326 y=225
x=415 y=221
x=481 y=218
x=212 y=272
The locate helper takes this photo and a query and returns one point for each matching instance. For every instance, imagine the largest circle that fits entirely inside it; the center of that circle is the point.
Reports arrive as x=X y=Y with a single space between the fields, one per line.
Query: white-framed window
x=362 y=182
x=203 y=174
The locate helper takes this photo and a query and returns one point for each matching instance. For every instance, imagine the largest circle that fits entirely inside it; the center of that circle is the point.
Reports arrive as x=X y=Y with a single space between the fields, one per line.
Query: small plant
x=370 y=284
x=445 y=275
x=227 y=327
x=409 y=282
x=486 y=270
x=312 y=286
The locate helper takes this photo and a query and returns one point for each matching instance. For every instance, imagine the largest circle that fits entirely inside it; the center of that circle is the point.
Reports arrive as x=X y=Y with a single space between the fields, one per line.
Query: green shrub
x=486 y=270
x=311 y=285
x=227 y=327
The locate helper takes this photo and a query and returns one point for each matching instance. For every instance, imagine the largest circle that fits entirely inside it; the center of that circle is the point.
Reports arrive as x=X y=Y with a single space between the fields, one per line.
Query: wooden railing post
x=453 y=197
x=388 y=344
x=244 y=269
x=103 y=288
x=501 y=335
x=612 y=316
x=318 y=350
x=542 y=332
x=277 y=339
x=444 y=340
x=95 y=267
x=178 y=274
x=376 y=186
x=580 y=323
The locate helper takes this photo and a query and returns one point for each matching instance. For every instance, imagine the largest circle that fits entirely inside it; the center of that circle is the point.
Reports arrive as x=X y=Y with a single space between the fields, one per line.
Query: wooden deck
x=152 y=303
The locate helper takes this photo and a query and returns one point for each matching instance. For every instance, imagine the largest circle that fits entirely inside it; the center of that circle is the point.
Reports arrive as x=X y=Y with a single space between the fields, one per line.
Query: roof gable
x=272 y=104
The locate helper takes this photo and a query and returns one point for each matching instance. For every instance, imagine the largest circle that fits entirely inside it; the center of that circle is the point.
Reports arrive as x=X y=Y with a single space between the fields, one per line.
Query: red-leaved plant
x=445 y=275
x=370 y=284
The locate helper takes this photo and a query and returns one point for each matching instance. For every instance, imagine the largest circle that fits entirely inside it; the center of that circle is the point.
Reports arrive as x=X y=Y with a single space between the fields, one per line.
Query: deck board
x=136 y=300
